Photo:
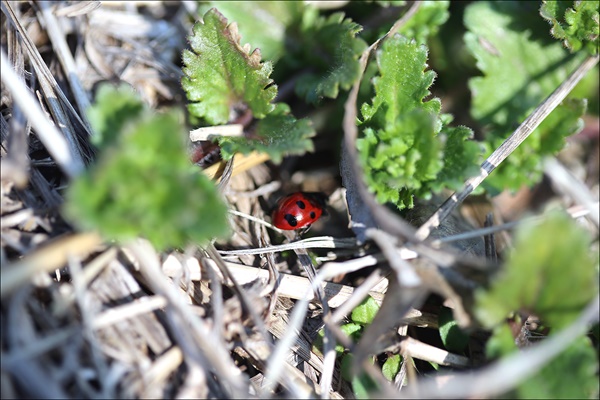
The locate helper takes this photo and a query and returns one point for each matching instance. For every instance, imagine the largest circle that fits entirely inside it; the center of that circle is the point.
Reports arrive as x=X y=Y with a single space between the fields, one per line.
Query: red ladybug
x=299 y=210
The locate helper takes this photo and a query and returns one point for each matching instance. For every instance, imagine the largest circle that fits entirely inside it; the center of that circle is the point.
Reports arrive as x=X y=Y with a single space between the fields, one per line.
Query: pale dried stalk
x=127 y=311
x=572 y=186
x=48 y=258
x=509 y=145
x=57 y=37
x=423 y=351
x=326 y=272
x=56 y=99
x=70 y=162
x=319 y=242
x=208 y=352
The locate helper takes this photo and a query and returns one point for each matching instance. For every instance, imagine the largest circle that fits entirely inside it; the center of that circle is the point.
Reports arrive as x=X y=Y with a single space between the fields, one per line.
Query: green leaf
x=365 y=312
x=403 y=82
x=262 y=23
x=521 y=68
x=550 y=275
x=573 y=375
x=114 y=108
x=402 y=144
x=144 y=185
x=461 y=158
x=330 y=47
x=426 y=21
x=278 y=134
x=574 y=22
x=453 y=338
x=523 y=167
x=352 y=329
x=501 y=342
x=391 y=367
x=362 y=385
x=221 y=76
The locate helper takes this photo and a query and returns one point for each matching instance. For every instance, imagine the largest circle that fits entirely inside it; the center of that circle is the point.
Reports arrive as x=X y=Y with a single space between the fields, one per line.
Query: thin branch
x=509 y=145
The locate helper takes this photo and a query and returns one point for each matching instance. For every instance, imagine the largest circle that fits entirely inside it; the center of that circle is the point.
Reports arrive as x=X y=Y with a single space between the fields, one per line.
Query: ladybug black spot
x=291 y=219
x=301 y=204
x=312 y=215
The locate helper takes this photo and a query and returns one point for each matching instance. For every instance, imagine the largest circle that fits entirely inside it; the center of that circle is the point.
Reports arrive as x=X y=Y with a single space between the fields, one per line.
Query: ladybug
x=299 y=210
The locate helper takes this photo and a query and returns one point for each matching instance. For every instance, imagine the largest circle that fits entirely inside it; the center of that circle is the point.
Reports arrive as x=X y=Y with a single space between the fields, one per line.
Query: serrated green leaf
x=365 y=312
x=391 y=367
x=576 y=23
x=453 y=338
x=402 y=149
x=399 y=161
x=144 y=185
x=571 y=375
x=521 y=68
x=426 y=21
x=329 y=46
x=262 y=23
x=114 y=108
x=278 y=134
x=461 y=158
x=221 y=75
x=403 y=82
x=549 y=274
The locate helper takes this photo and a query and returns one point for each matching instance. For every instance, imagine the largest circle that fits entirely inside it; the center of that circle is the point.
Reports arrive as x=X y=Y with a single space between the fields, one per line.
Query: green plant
x=408 y=148
x=142 y=183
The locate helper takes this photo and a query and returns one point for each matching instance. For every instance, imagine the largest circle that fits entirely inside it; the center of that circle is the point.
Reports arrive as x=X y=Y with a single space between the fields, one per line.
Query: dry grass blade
x=70 y=161
x=509 y=145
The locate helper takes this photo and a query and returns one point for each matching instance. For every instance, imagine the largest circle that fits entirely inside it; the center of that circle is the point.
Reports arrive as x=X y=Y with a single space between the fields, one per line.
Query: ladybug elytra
x=298 y=210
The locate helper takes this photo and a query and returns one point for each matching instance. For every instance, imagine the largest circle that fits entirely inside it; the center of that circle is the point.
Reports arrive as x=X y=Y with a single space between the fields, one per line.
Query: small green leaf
x=278 y=134
x=550 y=275
x=391 y=367
x=426 y=21
x=571 y=375
x=461 y=158
x=365 y=312
x=144 y=185
x=330 y=46
x=453 y=338
x=403 y=82
x=402 y=144
x=501 y=342
x=521 y=67
x=361 y=385
x=114 y=108
x=399 y=161
x=353 y=330
x=262 y=23
x=574 y=22
x=221 y=75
